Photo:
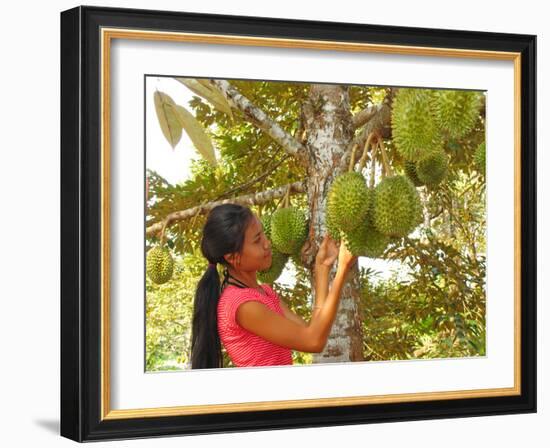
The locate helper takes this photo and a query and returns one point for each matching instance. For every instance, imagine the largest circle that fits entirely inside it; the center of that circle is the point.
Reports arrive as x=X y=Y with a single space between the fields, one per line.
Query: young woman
x=254 y=325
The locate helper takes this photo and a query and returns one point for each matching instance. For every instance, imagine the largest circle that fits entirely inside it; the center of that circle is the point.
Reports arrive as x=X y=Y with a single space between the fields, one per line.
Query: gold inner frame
x=107 y=34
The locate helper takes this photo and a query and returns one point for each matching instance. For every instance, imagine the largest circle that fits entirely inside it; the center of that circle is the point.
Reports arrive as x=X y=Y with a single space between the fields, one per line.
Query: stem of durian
x=352 y=160
x=373 y=165
x=287 y=200
x=197 y=214
x=168 y=221
x=281 y=202
x=162 y=234
x=387 y=168
x=365 y=150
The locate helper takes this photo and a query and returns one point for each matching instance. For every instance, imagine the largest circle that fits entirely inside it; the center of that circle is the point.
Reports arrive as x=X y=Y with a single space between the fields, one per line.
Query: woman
x=255 y=327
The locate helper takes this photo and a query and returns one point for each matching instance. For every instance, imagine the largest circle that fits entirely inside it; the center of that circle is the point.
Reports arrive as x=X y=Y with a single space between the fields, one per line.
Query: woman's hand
x=328 y=252
x=345 y=258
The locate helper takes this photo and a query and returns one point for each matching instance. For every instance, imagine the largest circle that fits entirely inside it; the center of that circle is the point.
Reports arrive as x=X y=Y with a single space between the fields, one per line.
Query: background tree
x=278 y=138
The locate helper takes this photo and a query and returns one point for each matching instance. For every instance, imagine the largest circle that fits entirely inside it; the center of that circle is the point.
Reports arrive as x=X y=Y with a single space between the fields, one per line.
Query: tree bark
x=329 y=130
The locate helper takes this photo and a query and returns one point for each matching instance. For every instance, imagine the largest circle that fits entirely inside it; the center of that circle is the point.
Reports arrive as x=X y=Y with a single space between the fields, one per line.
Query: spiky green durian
x=432 y=169
x=160 y=265
x=332 y=229
x=278 y=262
x=456 y=111
x=370 y=215
x=410 y=172
x=479 y=158
x=414 y=130
x=365 y=241
x=289 y=227
x=396 y=207
x=347 y=201
x=266 y=224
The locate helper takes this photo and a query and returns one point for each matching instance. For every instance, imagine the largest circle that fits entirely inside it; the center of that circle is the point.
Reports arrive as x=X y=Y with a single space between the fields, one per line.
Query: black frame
x=80 y=224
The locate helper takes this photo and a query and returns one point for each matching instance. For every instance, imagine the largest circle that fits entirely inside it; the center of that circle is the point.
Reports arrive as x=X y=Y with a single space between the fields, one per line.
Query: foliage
x=439 y=312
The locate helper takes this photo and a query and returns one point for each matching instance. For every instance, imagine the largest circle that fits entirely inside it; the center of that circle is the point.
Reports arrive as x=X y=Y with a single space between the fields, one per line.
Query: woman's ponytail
x=206 y=350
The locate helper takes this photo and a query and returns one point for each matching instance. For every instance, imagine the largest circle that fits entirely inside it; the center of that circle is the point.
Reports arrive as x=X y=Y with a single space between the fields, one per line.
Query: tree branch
x=360 y=118
x=259 y=178
x=248 y=200
x=260 y=119
x=373 y=119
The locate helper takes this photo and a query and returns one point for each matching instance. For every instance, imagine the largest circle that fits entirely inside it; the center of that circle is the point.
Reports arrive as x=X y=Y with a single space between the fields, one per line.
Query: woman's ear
x=231 y=258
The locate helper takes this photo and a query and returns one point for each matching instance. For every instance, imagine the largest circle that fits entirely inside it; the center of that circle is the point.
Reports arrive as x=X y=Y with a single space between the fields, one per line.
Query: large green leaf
x=203 y=88
x=196 y=133
x=168 y=118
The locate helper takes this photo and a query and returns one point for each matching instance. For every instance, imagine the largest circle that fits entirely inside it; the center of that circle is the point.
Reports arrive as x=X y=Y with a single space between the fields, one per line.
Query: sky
x=174 y=163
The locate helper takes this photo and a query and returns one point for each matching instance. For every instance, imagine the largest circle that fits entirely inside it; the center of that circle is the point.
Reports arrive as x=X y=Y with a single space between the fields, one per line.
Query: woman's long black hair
x=223 y=233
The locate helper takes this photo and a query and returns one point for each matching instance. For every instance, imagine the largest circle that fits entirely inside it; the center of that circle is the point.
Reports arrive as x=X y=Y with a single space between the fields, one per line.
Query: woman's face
x=256 y=252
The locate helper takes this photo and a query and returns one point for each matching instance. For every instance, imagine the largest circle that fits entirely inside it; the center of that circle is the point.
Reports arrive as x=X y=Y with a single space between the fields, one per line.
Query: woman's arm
x=323 y=318
x=321 y=289
x=326 y=255
x=257 y=318
x=322 y=273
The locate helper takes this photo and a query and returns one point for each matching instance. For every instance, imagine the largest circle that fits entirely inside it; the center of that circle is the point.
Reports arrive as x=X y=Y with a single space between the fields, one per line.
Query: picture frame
x=87 y=38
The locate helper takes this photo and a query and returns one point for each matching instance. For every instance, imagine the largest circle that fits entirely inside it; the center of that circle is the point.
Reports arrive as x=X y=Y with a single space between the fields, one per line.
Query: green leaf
x=203 y=88
x=168 y=118
x=197 y=134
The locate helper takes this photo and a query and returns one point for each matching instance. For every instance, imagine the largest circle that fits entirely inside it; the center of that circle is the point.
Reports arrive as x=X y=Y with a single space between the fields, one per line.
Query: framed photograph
x=271 y=223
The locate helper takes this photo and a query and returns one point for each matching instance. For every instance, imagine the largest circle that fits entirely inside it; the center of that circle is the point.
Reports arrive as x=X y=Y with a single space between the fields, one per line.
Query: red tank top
x=247 y=349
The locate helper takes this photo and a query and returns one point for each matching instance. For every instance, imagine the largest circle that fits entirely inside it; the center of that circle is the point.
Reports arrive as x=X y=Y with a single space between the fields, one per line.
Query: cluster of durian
x=159 y=264
x=366 y=219
x=287 y=229
x=420 y=116
x=420 y=119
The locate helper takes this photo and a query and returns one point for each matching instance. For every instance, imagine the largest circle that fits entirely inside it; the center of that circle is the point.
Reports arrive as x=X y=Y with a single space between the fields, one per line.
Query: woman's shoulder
x=231 y=291
x=233 y=296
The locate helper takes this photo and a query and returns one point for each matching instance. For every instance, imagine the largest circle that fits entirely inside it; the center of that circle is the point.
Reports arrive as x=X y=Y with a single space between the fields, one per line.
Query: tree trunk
x=329 y=129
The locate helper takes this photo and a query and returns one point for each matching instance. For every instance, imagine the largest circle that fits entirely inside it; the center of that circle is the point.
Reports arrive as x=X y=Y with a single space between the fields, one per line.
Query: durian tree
x=285 y=144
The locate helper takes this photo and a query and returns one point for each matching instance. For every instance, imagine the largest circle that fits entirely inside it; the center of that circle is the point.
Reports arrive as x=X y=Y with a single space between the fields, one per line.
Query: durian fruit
x=410 y=172
x=456 y=111
x=266 y=224
x=278 y=262
x=365 y=241
x=479 y=158
x=347 y=201
x=159 y=264
x=432 y=169
x=414 y=129
x=289 y=227
x=332 y=230
x=397 y=209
